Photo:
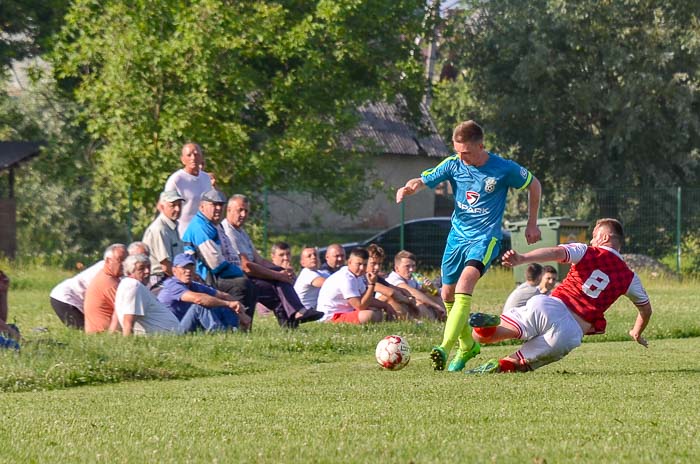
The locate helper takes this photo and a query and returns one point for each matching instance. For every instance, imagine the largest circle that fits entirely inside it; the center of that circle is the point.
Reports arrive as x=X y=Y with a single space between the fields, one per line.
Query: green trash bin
x=555 y=230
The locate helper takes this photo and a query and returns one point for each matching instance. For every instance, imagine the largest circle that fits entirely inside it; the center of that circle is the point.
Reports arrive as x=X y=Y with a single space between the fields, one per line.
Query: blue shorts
x=459 y=251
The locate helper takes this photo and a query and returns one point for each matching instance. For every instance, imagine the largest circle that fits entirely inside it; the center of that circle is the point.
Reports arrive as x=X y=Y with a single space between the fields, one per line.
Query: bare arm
x=254 y=269
x=114 y=323
x=128 y=326
x=532 y=231
x=513 y=258
x=411 y=187
x=209 y=301
x=641 y=323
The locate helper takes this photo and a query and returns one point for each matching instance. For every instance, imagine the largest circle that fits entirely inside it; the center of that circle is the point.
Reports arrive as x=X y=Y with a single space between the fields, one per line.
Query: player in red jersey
x=554 y=325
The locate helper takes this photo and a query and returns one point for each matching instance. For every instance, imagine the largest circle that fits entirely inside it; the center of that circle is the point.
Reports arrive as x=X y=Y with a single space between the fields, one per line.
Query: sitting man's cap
x=182 y=260
x=214 y=196
x=170 y=196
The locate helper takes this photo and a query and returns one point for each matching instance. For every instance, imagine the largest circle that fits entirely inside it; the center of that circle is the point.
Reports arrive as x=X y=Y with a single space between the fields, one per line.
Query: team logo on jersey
x=472 y=197
x=523 y=173
x=490 y=184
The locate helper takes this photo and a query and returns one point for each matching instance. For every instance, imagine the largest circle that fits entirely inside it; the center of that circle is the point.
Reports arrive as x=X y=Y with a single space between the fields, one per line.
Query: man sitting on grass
x=311 y=279
x=138 y=310
x=400 y=299
x=198 y=306
x=554 y=325
x=526 y=290
x=429 y=307
x=344 y=297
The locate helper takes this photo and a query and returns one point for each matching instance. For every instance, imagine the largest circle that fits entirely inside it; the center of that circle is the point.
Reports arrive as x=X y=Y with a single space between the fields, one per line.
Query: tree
x=27 y=27
x=589 y=95
x=266 y=87
x=593 y=93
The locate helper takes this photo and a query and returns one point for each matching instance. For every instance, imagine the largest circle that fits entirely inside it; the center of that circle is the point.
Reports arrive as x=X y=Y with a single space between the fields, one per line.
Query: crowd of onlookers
x=197 y=268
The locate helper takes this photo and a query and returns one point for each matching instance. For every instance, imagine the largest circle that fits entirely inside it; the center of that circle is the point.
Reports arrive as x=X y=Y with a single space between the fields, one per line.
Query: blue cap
x=182 y=260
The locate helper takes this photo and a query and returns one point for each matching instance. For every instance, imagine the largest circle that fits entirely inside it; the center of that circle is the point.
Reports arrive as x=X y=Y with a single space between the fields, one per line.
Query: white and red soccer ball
x=393 y=353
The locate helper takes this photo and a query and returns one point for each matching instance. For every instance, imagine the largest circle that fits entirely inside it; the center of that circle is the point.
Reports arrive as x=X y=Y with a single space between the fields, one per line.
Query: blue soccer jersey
x=480 y=192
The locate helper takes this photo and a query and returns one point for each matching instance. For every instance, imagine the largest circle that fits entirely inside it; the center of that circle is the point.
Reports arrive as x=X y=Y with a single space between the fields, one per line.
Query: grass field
x=316 y=394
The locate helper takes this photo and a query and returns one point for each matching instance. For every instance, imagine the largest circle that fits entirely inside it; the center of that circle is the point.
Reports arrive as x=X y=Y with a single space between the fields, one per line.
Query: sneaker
x=460 y=360
x=484 y=320
x=491 y=367
x=438 y=358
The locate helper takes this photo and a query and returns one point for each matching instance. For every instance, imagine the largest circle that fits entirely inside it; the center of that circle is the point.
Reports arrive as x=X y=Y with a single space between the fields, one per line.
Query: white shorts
x=548 y=327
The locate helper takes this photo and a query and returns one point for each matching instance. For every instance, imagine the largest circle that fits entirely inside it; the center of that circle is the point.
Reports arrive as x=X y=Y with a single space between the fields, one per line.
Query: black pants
x=280 y=298
x=242 y=290
x=68 y=314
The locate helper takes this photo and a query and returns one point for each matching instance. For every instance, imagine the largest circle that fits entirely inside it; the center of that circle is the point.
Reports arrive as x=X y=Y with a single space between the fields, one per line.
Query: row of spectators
x=197 y=269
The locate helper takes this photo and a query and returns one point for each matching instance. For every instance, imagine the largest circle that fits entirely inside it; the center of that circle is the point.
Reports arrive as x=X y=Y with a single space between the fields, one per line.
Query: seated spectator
x=429 y=306
x=68 y=297
x=100 y=293
x=548 y=280
x=400 y=299
x=344 y=296
x=281 y=255
x=526 y=290
x=204 y=240
x=310 y=279
x=163 y=238
x=138 y=248
x=136 y=308
x=274 y=284
x=9 y=334
x=335 y=258
x=198 y=306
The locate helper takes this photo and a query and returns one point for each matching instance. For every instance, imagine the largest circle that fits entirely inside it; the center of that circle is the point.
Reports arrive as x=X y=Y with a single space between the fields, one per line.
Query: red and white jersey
x=598 y=277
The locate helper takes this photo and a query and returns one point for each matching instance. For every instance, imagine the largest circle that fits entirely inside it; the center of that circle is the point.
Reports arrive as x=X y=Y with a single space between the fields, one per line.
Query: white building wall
x=297 y=211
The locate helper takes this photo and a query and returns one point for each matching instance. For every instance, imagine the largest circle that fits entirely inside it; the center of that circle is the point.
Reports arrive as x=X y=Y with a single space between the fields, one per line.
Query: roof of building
x=12 y=153
x=382 y=129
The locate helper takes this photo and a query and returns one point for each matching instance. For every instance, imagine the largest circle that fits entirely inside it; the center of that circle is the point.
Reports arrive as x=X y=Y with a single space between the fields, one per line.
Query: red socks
x=485 y=331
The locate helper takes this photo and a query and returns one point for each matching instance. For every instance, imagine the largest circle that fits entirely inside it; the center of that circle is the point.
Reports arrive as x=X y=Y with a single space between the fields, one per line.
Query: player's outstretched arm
x=532 y=230
x=640 y=324
x=513 y=258
x=411 y=187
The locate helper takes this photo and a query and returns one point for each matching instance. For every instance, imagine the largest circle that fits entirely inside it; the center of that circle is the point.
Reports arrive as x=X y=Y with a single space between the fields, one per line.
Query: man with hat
x=202 y=239
x=162 y=236
x=199 y=306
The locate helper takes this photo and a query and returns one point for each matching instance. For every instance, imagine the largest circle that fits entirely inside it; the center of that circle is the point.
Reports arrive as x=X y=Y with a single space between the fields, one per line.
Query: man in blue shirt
x=480 y=181
x=199 y=306
x=203 y=240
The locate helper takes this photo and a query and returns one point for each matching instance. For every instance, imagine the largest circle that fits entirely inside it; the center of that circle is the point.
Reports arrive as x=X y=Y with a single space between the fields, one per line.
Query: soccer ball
x=393 y=353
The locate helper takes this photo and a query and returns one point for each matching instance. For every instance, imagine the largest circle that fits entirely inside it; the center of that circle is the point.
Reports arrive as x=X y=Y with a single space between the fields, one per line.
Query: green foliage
x=266 y=88
x=591 y=93
x=690 y=256
x=56 y=221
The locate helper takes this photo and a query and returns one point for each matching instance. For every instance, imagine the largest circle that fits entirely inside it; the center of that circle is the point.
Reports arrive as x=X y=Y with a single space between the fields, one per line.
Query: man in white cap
x=163 y=238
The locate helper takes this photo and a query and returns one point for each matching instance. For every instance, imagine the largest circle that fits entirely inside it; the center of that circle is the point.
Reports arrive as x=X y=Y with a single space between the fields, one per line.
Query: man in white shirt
x=190 y=182
x=274 y=284
x=429 y=307
x=344 y=297
x=310 y=279
x=527 y=289
x=138 y=310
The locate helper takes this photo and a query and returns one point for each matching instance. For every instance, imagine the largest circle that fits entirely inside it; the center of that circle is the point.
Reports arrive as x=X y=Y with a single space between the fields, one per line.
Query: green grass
x=316 y=394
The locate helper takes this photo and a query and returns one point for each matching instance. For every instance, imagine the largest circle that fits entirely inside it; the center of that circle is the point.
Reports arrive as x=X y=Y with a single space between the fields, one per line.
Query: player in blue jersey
x=480 y=181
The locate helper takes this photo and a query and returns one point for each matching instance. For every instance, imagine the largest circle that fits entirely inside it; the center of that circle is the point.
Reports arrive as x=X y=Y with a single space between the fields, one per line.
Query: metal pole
x=678 y=230
x=128 y=217
x=265 y=209
x=403 y=217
